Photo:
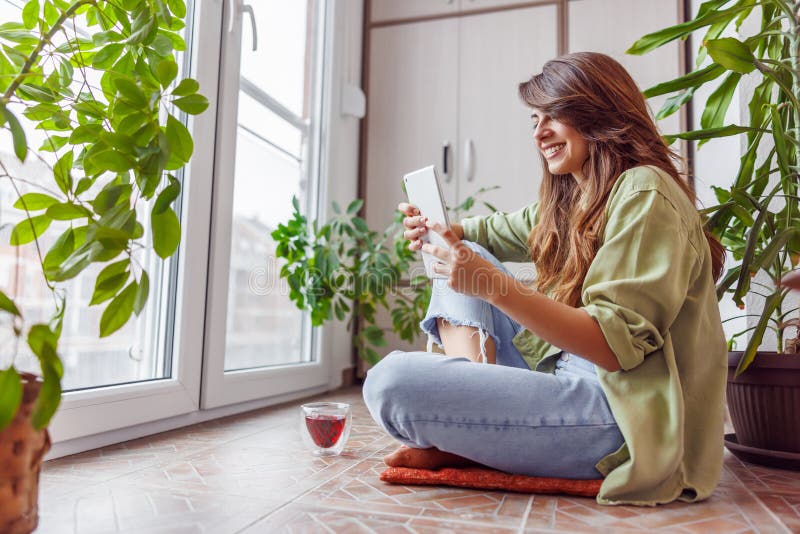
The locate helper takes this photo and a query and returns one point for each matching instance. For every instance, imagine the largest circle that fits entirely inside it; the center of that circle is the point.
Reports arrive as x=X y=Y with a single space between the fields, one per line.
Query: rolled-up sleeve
x=640 y=277
x=505 y=235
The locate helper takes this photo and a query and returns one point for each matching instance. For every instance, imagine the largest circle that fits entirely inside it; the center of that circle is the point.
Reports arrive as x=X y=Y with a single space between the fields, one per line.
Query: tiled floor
x=250 y=473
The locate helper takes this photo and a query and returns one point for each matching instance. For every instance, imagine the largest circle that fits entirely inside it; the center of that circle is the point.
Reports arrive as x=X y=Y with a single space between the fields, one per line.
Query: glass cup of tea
x=325 y=427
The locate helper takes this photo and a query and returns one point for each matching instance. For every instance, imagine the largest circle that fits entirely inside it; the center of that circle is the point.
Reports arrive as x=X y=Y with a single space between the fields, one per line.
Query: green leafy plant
x=344 y=269
x=103 y=98
x=757 y=218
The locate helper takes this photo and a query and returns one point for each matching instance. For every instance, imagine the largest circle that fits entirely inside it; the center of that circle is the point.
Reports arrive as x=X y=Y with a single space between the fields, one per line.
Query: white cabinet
x=393 y=10
x=383 y=10
x=498 y=51
x=411 y=110
x=455 y=81
x=612 y=26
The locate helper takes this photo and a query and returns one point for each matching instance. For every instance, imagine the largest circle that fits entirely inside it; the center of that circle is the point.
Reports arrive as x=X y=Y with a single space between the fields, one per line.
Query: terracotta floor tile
x=114 y=508
x=251 y=473
x=731 y=525
x=305 y=518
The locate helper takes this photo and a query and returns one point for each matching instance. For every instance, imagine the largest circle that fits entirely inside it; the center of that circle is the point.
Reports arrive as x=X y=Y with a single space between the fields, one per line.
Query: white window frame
x=222 y=388
x=96 y=410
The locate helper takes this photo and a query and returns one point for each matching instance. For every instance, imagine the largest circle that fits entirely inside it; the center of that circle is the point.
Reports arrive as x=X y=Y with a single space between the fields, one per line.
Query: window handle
x=237 y=7
x=247 y=8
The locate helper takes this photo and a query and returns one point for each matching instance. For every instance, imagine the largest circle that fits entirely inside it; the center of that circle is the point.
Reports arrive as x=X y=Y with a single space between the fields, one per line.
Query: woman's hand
x=466 y=271
x=791 y=280
x=414 y=223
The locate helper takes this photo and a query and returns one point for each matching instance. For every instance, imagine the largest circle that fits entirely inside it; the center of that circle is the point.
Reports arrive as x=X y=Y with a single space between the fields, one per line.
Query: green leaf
x=17 y=133
x=166 y=71
x=110 y=197
x=101 y=158
x=710 y=133
x=674 y=103
x=119 y=310
x=110 y=280
x=83 y=185
x=10 y=396
x=85 y=133
x=30 y=17
x=192 y=104
x=719 y=101
x=187 y=86
x=166 y=232
x=34 y=201
x=107 y=56
x=132 y=93
x=60 y=250
x=29 y=229
x=67 y=211
x=732 y=54
x=757 y=335
x=180 y=143
x=46 y=404
x=693 y=79
x=8 y=305
x=659 y=38
x=177 y=7
x=61 y=172
x=142 y=293
x=54 y=143
x=355 y=206
x=167 y=196
x=75 y=262
x=162 y=45
x=143 y=27
x=783 y=151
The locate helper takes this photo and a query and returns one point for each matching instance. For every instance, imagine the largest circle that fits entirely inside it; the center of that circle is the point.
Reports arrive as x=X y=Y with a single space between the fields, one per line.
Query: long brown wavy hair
x=595 y=95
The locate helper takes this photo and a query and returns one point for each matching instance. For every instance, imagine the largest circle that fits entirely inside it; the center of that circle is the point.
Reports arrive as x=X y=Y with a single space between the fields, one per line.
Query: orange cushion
x=484 y=478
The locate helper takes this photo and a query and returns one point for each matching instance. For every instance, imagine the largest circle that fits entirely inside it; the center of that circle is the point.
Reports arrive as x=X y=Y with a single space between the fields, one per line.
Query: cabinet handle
x=469 y=160
x=445 y=159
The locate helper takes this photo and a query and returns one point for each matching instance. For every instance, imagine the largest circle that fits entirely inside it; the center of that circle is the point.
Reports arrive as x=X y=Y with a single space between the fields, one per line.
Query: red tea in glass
x=325 y=427
x=325 y=430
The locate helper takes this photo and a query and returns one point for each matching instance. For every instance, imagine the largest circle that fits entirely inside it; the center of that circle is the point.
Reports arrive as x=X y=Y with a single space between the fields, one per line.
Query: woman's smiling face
x=562 y=146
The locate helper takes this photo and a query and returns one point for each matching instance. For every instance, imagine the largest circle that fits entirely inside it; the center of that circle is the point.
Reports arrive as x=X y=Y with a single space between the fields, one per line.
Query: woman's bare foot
x=431 y=458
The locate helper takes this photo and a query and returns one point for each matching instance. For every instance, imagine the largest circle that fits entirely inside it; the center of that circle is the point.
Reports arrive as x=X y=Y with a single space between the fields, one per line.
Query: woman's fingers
x=441 y=253
x=414 y=233
x=407 y=209
x=441 y=268
x=415 y=245
x=414 y=222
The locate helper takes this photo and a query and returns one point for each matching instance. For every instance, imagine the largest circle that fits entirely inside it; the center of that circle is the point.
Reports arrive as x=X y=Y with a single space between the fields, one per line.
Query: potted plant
x=98 y=79
x=758 y=216
x=343 y=269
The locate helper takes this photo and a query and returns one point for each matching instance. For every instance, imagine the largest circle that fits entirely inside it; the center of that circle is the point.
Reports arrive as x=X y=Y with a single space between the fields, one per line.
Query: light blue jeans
x=504 y=416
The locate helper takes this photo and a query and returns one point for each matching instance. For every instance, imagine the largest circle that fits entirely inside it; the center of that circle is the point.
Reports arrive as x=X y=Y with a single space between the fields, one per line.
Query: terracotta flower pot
x=764 y=404
x=21 y=452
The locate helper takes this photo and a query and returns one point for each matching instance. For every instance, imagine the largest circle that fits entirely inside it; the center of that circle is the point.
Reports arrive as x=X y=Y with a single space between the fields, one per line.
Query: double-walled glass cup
x=325 y=427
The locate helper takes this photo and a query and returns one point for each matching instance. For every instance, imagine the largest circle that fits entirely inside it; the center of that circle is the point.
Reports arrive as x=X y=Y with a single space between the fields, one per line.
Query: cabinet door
x=471 y=5
x=403 y=9
x=612 y=26
x=498 y=51
x=412 y=106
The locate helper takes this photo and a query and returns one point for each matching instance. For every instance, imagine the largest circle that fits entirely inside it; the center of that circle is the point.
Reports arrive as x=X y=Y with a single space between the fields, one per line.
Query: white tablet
x=424 y=192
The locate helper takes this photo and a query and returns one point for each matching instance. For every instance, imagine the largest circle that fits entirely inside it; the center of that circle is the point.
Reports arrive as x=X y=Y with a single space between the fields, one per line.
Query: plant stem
x=70 y=11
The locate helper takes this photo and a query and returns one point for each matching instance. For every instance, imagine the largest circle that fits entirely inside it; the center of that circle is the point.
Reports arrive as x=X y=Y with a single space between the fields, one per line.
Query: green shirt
x=651 y=290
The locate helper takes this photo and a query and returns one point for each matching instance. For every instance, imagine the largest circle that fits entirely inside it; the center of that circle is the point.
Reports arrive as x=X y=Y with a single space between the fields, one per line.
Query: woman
x=614 y=364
